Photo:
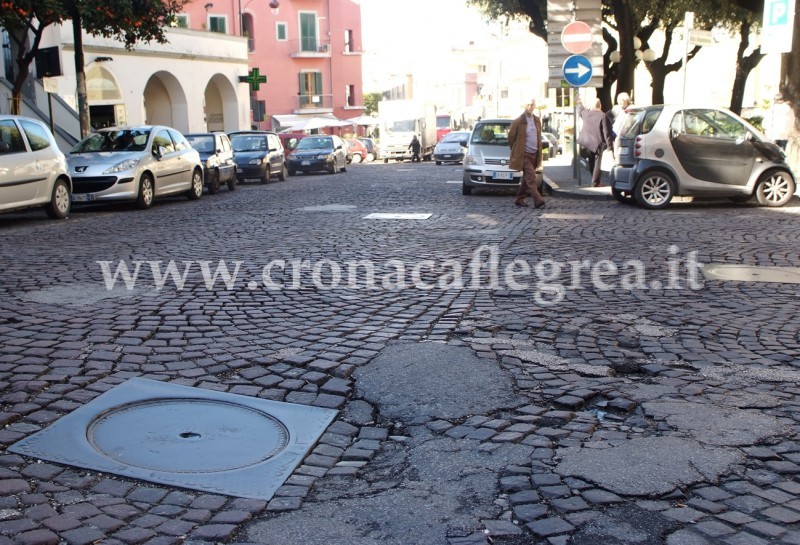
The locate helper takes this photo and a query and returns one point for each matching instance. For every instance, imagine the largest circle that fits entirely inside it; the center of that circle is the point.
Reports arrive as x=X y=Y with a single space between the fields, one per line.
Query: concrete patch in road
x=711 y=425
x=650 y=466
x=81 y=294
x=751 y=273
x=418 y=381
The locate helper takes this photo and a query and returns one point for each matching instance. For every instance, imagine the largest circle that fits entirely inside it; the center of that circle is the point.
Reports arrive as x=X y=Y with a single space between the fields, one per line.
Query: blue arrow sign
x=577 y=70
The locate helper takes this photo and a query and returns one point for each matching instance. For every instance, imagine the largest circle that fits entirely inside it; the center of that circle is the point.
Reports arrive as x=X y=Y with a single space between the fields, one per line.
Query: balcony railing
x=314 y=103
x=310 y=47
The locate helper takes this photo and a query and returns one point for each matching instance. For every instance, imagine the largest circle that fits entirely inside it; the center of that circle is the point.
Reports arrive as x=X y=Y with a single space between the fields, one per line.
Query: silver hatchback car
x=134 y=164
x=669 y=150
x=488 y=155
x=33 y=171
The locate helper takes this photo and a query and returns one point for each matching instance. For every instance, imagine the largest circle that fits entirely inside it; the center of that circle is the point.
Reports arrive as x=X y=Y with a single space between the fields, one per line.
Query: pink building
x=309 y=51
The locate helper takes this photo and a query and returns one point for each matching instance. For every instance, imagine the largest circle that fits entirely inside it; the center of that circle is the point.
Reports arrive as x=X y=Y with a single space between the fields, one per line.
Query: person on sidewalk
x=619 y=113
x=525 y=139
x=780 y=122
x=595 y=136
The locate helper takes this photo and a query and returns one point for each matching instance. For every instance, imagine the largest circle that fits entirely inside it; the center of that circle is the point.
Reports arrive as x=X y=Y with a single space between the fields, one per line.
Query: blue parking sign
x=777 y=26
x=577 y=70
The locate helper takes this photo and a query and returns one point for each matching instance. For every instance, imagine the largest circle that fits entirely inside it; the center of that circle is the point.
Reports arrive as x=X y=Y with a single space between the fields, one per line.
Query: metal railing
x=310 y=46
x=315 y=102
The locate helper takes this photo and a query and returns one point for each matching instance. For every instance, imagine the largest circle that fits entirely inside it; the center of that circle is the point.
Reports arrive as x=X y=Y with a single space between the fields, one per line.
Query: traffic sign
x=576 y=37
x=577 y=70
x=777 y=25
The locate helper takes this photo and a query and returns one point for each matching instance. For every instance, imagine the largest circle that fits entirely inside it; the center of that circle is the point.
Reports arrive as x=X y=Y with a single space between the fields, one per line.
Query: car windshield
x=249 y=142
x=201 y=142
x=315 y=143
x=454 y=137
x=406 y=125
x=114 y=140
x=495 y=134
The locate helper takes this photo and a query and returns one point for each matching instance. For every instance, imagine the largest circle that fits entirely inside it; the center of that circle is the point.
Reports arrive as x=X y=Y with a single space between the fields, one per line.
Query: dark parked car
x=259 y=155
x=670 y=150
x=216 y=154
x=319 y=152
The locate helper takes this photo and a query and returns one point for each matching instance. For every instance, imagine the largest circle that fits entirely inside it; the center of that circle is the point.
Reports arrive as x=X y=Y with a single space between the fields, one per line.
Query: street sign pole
x=576 y=160
x=688 y=24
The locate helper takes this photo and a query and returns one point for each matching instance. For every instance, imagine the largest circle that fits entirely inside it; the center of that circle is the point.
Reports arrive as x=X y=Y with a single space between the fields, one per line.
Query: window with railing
x=248 y=30
x=350 y=95
x=310 y=89
x=308 y=31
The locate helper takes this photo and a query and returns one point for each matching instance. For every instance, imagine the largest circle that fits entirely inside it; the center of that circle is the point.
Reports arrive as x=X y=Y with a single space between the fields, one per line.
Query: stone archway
x=165 y=102
x=106 y=106
x=221 y=105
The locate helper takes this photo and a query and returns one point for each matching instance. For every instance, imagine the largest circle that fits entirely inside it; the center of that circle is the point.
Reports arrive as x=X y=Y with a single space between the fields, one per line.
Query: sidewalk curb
x=581 y=193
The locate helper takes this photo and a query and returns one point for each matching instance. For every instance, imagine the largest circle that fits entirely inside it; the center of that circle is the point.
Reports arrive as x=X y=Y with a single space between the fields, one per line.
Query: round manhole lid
x=753 y=273
x=187 y=435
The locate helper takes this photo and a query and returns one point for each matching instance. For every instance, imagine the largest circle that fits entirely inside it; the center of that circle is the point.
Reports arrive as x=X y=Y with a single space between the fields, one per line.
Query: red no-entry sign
x=576 y=37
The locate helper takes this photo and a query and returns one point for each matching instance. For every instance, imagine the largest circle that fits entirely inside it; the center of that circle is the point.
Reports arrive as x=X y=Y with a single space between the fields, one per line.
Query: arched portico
x=165 y=102
x=221 y=105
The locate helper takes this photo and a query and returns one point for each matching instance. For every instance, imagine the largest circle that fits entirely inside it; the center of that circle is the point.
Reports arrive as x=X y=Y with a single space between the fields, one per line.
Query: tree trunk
x=626 y=30
x=80 y=75
x=744 y=65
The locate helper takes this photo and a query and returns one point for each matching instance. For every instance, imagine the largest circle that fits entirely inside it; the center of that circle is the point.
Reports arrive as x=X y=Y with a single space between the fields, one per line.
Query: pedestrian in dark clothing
x=595 y=136
x=415 y=147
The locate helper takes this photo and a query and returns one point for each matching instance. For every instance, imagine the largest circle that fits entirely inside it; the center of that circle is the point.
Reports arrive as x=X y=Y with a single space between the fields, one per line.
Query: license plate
x=82 y=197
x=622 y=151
x=502 y=175
x=447 y=156
x=305 y=163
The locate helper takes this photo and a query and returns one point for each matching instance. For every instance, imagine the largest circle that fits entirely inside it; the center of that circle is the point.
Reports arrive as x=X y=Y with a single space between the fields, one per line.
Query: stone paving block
x=61 y=523
x=197 y=515
x=530 y=511
x=376 y=434
x=714 y=528
x=514 y=483
x=735 y=517
x=208 y=501
x=9 y=487
x=597 y=496
x=81 y=510
x=501 y=528
x=82 y=536
x=482 y=434
x=284 y=504
x=105 y=523
x=707 y=506
x=176 y=527
x=213 y=532
x=550 y=527
x=568 y=505
x=766 y=529
x=524 y=496
x=37 y=537
x=744 y=538
x=782 y=514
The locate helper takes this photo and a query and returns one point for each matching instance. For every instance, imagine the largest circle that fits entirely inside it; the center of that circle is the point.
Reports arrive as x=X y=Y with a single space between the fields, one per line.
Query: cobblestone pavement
x=624 y=399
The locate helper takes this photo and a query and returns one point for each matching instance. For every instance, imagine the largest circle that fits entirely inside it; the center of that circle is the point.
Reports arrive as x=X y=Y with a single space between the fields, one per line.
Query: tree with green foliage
x=371 y=102
x=129 y=21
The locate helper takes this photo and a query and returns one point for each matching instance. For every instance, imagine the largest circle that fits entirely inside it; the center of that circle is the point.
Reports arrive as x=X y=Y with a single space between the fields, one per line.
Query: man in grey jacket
x=595 y=136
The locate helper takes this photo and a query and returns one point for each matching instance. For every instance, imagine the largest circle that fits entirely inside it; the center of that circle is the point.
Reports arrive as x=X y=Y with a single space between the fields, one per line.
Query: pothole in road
x=189 y=437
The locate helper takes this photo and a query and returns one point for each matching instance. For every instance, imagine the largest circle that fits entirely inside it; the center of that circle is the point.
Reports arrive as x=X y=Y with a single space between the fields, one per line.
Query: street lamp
x=274 y=6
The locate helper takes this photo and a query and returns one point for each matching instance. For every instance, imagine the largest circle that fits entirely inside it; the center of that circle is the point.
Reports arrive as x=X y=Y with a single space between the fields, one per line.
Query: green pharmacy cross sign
x=254 y=78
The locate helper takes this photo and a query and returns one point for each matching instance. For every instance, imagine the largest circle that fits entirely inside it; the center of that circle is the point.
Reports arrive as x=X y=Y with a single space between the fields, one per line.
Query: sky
x=396 y=35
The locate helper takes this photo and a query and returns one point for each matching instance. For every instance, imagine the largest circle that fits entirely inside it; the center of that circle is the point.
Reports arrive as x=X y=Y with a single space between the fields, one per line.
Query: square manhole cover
x=189 y=437
x=397 y=216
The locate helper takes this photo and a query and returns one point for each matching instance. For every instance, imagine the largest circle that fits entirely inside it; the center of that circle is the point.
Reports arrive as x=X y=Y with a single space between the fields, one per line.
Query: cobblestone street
x=504 y=375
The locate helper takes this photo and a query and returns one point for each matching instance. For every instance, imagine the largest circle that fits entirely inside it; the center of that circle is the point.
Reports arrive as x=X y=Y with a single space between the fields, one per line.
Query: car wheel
x=213 y=183
x=344 y=168
x=357 y=158
x=655 y=190
x=59 y=205
x=775 y=188
x=385 y=161
x=284 y=173
x=624 y=197
x=146 y=192
x=370 y=157
x=196 y=191
x=466 y=190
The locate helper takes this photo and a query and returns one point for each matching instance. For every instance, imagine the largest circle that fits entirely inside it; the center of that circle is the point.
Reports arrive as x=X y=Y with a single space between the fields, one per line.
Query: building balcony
x=313 y=104
x=310 y=48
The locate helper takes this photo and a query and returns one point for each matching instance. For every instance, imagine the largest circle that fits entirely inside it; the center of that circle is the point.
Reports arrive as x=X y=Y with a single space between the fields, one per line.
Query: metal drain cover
x=751 y=273
x=189 y=437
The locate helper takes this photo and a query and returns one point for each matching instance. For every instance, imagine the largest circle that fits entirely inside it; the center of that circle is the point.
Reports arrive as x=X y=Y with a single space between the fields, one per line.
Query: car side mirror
x=463 y=143
x=273 y=149
x=158 y=152
x=4 y=147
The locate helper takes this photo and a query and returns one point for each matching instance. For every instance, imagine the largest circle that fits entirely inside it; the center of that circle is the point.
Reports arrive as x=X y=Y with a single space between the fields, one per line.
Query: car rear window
x=315 y=143
x=249 y=142
x=641 y=122
x=201 y=142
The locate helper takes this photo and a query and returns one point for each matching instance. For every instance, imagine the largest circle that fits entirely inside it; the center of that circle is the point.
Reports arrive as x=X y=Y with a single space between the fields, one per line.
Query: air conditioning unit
x=325 y=48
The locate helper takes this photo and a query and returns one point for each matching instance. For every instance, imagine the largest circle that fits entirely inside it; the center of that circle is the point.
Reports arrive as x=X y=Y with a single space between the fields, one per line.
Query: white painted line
x=397 y=216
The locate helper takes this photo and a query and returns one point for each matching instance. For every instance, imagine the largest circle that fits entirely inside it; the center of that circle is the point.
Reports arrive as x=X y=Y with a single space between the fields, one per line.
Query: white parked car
x=33 y=171
x=134 y=164
x=452 y=148
x=488 y=156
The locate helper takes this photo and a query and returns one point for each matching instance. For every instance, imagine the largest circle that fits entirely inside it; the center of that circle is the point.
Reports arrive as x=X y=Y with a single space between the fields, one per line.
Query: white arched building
x=191 y=83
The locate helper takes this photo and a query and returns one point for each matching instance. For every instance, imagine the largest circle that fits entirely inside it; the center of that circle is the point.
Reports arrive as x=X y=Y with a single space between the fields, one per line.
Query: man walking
x=525 y=139
x=595 y=136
